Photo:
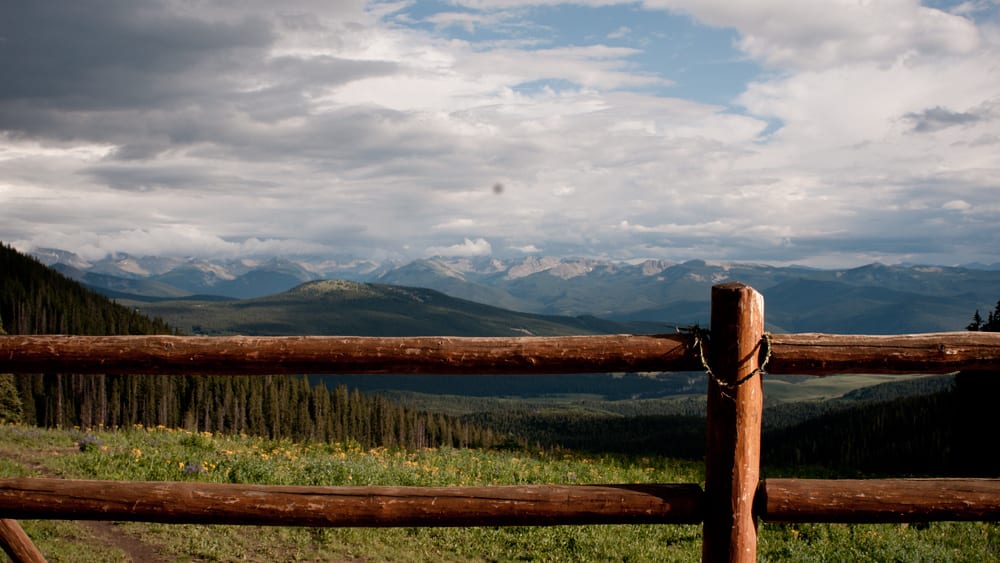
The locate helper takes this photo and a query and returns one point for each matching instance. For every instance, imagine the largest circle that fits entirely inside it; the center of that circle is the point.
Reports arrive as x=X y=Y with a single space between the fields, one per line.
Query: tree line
x=990 y=324
x=945 y=432
x=35 y=299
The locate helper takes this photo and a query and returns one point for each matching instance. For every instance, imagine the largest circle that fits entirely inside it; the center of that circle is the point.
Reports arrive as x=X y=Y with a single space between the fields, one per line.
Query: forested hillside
x=37 y=300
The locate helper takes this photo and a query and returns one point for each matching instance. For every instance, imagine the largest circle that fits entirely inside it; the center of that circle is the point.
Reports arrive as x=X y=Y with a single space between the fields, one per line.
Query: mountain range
x=655 y=294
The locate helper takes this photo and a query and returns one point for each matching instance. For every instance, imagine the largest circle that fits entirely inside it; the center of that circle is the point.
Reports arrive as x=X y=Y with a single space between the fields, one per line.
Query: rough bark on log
x=735 y=407
x=879 y=500
x=825 y=354
x=335 y=354
x=17 y=544
x=214 y=503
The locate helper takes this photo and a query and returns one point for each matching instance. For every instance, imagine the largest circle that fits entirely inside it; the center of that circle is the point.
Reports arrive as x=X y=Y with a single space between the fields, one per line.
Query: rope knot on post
x=699 y=336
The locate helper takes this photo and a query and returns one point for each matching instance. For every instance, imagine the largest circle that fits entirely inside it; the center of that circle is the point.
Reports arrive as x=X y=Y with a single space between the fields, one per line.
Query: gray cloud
x=937 y=118
x=115 y=54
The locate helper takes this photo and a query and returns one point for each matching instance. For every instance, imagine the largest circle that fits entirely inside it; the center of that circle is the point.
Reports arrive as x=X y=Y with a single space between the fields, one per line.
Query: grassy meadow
x=167 y=454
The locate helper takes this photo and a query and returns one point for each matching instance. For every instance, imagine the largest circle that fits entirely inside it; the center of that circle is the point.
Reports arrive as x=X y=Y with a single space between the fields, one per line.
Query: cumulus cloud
x=193 y=127
x=477 y=247
x=179 y=241
x=620 y=33
x=527 y=249
x=821 y=34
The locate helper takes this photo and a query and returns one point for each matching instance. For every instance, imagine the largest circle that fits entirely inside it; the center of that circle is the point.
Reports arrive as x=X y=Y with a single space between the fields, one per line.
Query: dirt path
x=107 y=533
x=138 y=551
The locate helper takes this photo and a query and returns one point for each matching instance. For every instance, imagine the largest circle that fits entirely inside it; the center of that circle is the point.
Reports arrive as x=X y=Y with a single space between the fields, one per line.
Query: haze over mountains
x=874 y=299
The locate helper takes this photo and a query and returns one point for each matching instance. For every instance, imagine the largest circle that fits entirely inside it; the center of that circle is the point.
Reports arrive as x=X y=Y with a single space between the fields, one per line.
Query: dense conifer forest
x=37 y=300
x=944 y=432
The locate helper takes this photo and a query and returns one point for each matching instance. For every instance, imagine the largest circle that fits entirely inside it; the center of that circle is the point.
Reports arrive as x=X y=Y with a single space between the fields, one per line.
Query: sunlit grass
x=163 y=454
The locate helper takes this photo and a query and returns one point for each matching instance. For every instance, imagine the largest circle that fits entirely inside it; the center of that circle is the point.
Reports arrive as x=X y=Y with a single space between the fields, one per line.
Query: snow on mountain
x=916 y=298
x=52 y=256
x=654 y=267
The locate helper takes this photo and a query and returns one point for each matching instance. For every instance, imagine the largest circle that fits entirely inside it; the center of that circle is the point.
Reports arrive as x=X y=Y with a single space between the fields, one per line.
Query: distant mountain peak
x=564 y=268
x=51 y=256
x=873 y=298
x=444 y=268
x=654 y=267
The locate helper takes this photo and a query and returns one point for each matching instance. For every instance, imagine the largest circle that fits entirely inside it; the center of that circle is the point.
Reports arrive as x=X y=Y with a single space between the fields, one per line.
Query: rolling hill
x=332 y=307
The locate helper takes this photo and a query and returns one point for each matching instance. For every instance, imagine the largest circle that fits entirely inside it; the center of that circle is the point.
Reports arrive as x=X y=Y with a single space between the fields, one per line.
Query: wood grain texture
x=214 y=503
x=735 y=407
x=246 y=355
x=879 y=500
x=825 y=354
x=17 y=544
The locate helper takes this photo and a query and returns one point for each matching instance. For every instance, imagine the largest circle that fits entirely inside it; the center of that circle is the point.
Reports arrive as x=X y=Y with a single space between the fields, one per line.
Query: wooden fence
x=735 y=355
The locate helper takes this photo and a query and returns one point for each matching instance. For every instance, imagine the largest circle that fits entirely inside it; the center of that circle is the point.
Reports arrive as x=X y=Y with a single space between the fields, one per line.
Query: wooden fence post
x=735 y=404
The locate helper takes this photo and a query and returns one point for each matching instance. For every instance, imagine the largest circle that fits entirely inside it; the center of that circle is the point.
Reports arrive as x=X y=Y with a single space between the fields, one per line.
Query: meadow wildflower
x=89 y=443
x=193 y=468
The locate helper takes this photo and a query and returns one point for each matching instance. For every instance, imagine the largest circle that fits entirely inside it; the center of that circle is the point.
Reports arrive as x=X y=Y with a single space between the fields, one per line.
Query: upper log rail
x=804 y=354
x=248 y=355
x=350 y=506
x=827 y=354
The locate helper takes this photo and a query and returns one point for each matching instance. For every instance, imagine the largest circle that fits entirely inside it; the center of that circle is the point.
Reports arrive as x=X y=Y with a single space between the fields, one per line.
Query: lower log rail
x=352 y=506
x=857 y=501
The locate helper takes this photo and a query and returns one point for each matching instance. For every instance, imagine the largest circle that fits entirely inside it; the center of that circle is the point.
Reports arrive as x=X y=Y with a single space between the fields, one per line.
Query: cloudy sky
x=828 y=133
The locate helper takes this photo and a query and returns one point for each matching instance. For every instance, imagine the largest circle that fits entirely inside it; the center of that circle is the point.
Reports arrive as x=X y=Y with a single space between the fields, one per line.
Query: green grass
x=61 y=540
x=824 y=388
x=667 y=394
x=165 y=454
x=458 y=405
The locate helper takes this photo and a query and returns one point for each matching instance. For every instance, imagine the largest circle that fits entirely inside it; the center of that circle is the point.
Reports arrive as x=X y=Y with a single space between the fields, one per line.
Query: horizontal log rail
x=354 y=506
x=878 y=500
x=777 y=500
x=803 y=354
x=826 y=354
x=251 y=355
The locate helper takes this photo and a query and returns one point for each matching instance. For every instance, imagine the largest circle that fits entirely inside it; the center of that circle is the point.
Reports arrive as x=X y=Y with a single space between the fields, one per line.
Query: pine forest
x=37 y=300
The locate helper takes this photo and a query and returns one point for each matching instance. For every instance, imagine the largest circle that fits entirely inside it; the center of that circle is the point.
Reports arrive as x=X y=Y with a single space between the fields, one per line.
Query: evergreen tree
x=975 y=392
x=991 y=324
x=977 y=322
x=11 y=407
